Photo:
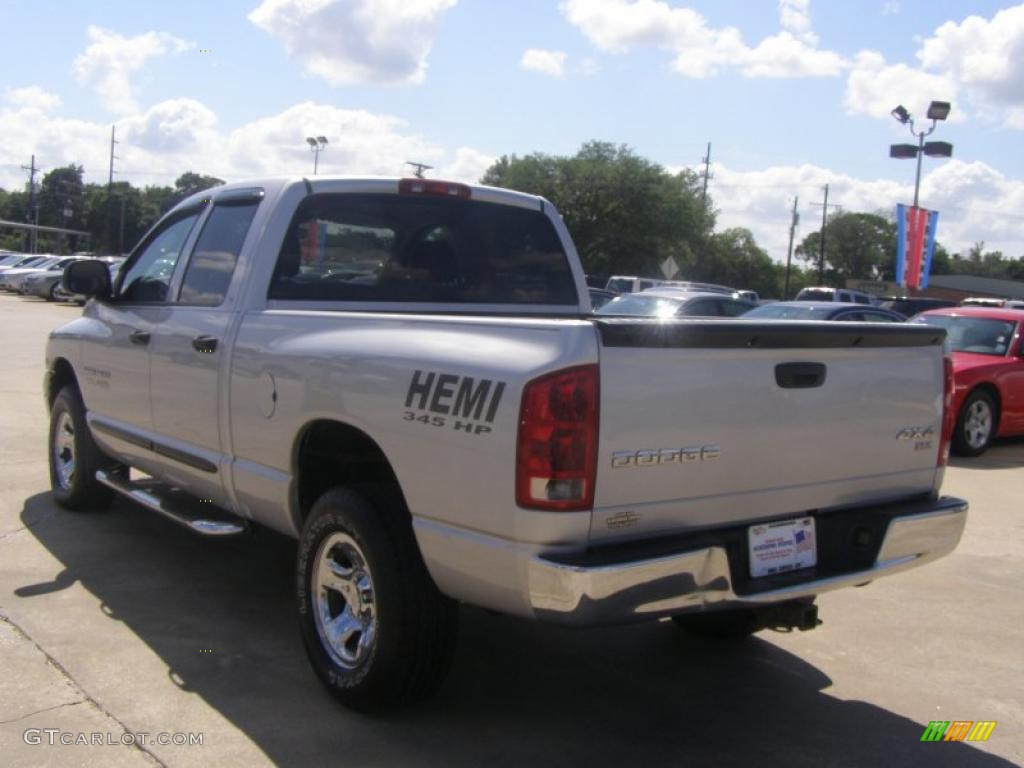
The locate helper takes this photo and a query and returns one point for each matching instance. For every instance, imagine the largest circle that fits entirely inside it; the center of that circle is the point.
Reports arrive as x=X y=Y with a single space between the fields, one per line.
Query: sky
x=791 y=94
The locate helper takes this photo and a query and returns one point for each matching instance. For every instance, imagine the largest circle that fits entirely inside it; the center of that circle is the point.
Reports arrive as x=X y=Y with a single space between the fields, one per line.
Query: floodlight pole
x=920 y=154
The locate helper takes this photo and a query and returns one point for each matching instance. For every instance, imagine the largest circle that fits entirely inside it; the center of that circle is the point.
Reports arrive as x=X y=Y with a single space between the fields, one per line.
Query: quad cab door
x=189 y=351
x=115 y=373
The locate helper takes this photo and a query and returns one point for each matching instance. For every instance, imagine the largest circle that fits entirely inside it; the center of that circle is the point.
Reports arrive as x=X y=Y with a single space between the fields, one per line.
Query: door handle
x=205 y=344
x=799 y=375
x=139 y=337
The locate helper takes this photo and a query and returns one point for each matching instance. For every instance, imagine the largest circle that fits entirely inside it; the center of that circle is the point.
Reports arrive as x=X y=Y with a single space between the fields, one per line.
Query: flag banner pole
x=901 y=244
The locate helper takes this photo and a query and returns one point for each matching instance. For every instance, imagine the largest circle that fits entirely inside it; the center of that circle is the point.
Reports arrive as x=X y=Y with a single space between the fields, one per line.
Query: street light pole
x=316 y=146
x=937 y=110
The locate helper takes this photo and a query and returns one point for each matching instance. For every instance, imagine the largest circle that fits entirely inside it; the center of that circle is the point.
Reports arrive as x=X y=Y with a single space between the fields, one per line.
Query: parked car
x=18 y=282
x=10 y=278
x=826 y=293
x=599 y=297
x=988 y=370
x=16 y=262
x=668 y=303
x=911 y=305
x=828 y=310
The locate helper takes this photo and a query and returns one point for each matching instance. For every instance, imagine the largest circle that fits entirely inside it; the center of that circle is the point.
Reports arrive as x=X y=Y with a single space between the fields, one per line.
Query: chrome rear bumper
x=583 y=594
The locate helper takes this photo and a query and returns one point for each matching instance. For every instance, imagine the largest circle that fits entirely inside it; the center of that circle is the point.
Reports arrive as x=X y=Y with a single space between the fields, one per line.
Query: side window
x=878 y=317
x=702 y=308
x=851 y=317
x=213 y=260
x=734 y=308
x=149 y=275
x=643 y=285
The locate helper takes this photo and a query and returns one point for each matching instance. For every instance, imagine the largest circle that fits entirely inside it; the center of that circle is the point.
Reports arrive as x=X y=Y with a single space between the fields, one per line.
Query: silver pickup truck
x=404 y=375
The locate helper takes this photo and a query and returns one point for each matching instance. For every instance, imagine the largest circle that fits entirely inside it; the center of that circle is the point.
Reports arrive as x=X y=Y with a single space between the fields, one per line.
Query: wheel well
x=61 y=375
x=329 y=454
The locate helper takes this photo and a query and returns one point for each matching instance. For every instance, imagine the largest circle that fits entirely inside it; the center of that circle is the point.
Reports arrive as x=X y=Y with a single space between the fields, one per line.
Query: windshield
x=790 y=312
x=636 y=305
x=973 y=334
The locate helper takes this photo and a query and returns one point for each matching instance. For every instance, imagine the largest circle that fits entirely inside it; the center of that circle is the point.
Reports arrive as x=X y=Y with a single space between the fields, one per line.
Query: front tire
x=74 y=456
x=376 y=629
x=976 y=424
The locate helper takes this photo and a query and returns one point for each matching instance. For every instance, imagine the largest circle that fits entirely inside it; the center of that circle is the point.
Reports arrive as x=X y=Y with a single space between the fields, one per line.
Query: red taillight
x=948 y=414
x=556 y=460
x=433 y=187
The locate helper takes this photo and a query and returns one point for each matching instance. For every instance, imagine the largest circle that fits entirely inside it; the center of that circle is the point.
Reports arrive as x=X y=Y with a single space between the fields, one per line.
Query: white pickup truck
x=404 y=375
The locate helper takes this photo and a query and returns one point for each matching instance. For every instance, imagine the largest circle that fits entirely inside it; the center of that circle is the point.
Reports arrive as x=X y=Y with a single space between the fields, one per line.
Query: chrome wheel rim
x=344 y=605
x=978 y=424
x=64 y=450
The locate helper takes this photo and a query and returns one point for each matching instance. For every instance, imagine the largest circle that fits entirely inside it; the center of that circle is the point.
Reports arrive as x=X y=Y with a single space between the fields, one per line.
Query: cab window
x=213 y=260
x=148 y=277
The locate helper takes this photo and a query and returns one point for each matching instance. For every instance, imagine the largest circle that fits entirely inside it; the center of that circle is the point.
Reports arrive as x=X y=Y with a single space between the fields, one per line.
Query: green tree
x=857 y=246
x=626 y=214
x=189 y=183
x=735 y=259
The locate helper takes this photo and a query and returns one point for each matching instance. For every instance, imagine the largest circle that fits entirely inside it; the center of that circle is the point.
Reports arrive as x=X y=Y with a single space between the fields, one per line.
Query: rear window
x=367 y=247
x=636 y=305
x=620 y=284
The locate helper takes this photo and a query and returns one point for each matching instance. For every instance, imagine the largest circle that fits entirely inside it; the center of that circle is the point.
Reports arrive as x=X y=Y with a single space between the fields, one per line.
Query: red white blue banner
x=915 y=245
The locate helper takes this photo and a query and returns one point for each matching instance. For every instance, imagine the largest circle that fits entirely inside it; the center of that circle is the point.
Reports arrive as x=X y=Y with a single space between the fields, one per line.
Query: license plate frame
x=782 y=546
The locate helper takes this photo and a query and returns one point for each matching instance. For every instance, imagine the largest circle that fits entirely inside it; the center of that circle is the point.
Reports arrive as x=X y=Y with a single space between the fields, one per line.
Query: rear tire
x=75 y=457
x=976 y=424
x=376 y=629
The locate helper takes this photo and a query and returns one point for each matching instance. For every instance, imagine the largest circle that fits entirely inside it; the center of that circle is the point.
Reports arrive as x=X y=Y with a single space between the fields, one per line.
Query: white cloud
x=178 y=135
x=356 y=41
x=977 y=59
x=32 y=97
x=468 y=166
x=975 y=202
x=618 y=26
x=985 y=56
x=785 y=55
x=110 y=59
x=875 y=87
x=550 y=63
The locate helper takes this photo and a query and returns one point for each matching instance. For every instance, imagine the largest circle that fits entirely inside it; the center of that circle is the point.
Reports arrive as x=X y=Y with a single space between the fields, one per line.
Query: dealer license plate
x=786 y=545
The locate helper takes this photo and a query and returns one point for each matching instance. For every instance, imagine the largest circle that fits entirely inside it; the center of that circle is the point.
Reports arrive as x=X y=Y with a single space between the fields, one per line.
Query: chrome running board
x=176 y=505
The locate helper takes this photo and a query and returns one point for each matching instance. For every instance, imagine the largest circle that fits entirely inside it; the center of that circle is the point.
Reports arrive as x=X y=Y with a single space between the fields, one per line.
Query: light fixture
x=903 y=151
x=901 y=114
x=938 y=110
x=938 y=149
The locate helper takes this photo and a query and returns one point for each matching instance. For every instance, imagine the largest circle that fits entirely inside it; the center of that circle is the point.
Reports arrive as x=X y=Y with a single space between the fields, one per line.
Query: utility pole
x=789 y=254
x=110 y=191
x=824 y=221
x=33 y=209
x=706 y=175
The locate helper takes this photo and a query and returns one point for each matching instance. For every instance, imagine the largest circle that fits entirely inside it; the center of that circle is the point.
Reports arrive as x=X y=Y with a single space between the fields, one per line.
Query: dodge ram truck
x=404 y=375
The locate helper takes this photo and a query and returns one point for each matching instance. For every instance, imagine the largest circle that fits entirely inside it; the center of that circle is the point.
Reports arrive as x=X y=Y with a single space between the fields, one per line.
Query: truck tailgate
x=716 y=423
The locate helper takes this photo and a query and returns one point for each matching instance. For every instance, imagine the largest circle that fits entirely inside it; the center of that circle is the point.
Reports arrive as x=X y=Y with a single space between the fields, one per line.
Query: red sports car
x=988 y=373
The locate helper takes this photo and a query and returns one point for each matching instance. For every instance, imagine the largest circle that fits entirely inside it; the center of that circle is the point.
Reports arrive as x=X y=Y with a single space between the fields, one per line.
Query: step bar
x=175 y=505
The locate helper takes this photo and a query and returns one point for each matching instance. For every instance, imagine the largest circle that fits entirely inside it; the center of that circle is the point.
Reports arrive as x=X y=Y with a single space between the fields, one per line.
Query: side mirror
x=89 y=278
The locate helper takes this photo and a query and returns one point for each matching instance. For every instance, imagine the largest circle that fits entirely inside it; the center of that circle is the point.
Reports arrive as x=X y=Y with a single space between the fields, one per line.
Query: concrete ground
x=118 y=623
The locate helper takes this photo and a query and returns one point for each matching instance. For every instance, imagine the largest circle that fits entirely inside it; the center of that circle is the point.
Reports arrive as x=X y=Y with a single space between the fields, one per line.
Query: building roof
x=1010 y=289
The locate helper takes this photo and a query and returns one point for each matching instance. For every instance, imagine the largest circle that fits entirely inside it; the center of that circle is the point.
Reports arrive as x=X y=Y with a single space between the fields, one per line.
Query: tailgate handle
x=800 y=375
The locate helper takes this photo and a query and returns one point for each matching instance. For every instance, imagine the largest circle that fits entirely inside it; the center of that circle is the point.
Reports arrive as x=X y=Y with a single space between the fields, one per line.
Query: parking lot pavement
x=121 y=624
